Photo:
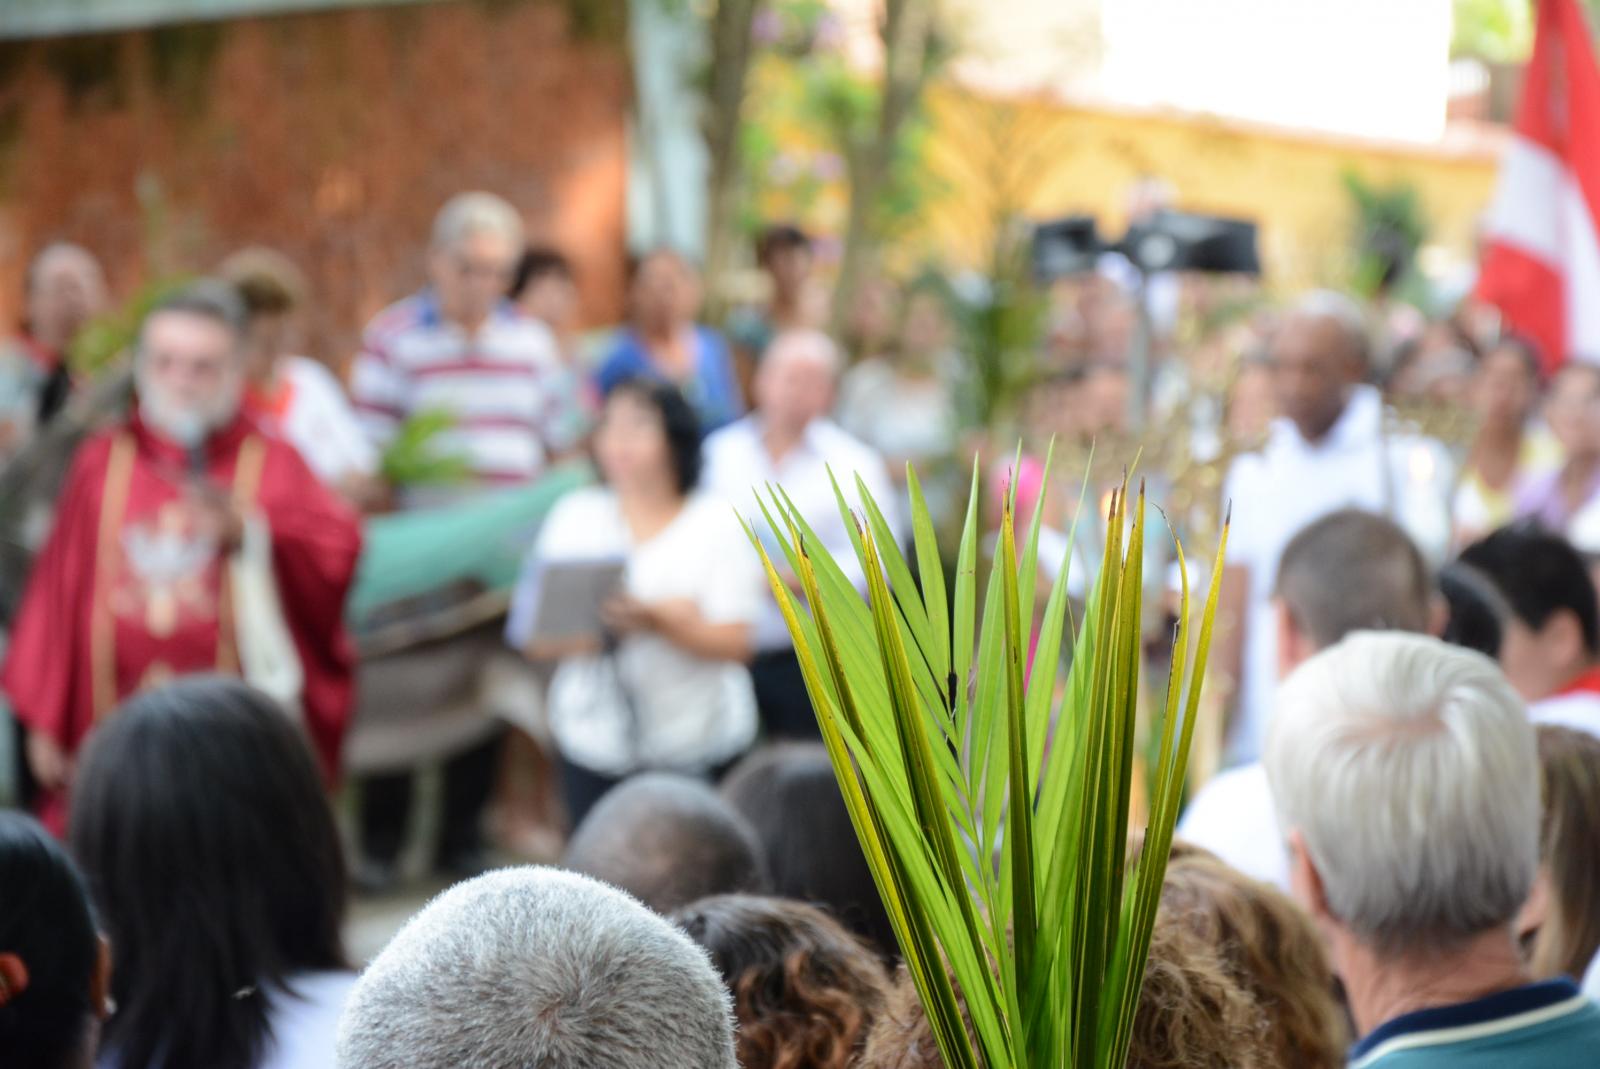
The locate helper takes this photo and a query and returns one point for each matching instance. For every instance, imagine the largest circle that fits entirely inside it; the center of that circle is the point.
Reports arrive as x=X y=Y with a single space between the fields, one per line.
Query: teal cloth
x=482 y=539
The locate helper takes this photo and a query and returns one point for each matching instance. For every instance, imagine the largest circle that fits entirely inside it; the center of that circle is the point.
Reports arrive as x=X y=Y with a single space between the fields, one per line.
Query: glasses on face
x=480 y=269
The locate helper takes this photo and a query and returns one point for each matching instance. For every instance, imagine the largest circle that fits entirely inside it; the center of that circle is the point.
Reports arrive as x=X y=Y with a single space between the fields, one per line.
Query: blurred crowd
x=1399 y=851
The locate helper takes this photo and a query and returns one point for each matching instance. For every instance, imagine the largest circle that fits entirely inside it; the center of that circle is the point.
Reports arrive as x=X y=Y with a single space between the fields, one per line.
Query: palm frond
x=992 y=797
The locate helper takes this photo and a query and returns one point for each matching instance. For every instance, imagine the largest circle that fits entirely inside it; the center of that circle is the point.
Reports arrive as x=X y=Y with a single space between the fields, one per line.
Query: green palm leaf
x=995 y=817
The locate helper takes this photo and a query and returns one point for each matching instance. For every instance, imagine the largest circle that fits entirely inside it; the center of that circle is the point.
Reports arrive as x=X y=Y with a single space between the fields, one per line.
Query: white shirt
x=1578 y=710
x=1291 y=483
x=651 y=704
x=902 y=417
x=1233 y=817
x=320 y=422
x=738 y=468
x=305 y=1022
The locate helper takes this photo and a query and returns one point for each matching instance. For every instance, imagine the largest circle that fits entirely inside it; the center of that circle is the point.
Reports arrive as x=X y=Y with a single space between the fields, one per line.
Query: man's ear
x=1304 y=879
x=100 y=982
x=1294 y=646
x=1562 y=639
x=1438 y=615
x=1536 y=909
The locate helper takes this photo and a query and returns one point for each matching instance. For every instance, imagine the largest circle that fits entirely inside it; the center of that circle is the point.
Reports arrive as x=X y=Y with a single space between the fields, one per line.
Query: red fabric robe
x=126 y=594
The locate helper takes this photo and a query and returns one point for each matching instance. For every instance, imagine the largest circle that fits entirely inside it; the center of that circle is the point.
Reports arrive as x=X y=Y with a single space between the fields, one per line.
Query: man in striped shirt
x=460 y=347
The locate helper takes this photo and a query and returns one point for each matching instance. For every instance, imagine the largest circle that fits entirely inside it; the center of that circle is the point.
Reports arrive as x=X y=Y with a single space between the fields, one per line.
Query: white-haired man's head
x=1405 y=774
x=189 y=362
x=477 y=239
x=537 y=967
x=797 y=379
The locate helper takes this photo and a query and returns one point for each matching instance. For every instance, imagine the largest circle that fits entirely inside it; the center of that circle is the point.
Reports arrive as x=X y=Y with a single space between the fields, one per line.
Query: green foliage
x=995 y=815
x=1501 y=31
x=1001 y=325
x=110 y=335
x=1389 y=227
x=413 y=458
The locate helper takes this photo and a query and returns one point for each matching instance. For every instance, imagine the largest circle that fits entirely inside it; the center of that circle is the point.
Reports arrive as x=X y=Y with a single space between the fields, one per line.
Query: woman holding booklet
x=643 y=592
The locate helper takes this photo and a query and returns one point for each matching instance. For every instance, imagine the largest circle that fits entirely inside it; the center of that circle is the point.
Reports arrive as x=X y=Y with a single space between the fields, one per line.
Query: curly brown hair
x=1270 y=948
x=805 y=991
x=1191 y=1015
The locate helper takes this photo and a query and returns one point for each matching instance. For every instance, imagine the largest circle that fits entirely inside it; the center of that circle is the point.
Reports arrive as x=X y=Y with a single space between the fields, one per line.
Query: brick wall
x=333 y=137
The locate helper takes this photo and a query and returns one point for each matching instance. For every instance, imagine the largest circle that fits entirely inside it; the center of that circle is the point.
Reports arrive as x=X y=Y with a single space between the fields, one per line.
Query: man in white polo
x=789 y=441
x=1330 y=448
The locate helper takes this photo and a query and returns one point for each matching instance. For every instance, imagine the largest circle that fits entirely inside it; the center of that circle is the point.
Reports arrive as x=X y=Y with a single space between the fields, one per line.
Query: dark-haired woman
x=199 y=819
x=805 y=991
x=663 y=686
x=1505 y=450
x=55 y=970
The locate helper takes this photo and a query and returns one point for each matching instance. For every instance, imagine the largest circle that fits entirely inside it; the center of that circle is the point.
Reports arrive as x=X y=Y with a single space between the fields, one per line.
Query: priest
x=186 y=540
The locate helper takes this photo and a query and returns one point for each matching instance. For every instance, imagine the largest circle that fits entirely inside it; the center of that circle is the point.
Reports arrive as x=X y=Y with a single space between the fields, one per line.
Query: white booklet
x=568 y=596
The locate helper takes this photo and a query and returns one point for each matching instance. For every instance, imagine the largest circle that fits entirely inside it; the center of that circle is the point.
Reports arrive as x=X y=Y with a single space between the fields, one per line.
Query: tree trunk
x=907 y=30
x=731 y=52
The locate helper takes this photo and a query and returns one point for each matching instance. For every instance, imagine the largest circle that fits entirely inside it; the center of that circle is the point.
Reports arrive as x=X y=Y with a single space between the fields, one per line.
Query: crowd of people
x=1398 y=866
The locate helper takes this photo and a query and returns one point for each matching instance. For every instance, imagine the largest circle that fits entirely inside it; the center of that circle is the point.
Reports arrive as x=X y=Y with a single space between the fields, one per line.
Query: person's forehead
x=1311 y=336
x=1577 y=380
x=484 y=242
x=66 y=265
x=189 y=332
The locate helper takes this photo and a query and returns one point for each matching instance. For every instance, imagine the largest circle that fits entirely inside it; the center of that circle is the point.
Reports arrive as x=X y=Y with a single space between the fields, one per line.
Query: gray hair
x=809 y=344
x=1345 y=313
x=668 y=840
x=1409 y=768
x=466 y=214
x=1354 y=571
x=208 y=298
x=535 y=966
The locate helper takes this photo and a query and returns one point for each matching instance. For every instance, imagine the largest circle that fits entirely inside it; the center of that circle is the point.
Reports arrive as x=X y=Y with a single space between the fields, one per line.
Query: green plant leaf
x=996 y=835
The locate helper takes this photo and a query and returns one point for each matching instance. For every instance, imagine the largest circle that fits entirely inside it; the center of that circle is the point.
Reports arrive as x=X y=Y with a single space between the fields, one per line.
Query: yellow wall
x=1049 y=159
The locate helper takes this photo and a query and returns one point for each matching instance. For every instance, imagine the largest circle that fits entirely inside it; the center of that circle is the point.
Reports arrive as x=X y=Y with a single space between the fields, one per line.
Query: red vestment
x=128 y=593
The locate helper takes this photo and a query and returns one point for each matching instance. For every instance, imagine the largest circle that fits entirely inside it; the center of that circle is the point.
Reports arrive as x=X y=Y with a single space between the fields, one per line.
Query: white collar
x=1359 y=423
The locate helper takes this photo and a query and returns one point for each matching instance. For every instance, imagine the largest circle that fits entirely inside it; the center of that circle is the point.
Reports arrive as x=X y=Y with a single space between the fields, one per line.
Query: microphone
x=197 y=461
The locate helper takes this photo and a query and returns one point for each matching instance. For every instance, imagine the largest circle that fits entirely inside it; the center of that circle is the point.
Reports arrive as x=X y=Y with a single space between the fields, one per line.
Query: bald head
x=796 y=381
x=667 y=840
x=1318 y=354
x=65 y=289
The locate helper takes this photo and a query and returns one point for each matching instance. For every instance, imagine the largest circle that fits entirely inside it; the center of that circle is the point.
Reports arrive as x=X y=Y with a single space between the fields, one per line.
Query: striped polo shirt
x=503 y=386
x=1547 y=1025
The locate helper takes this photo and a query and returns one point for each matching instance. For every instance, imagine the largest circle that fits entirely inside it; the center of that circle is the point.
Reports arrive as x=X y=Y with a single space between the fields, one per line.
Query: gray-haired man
x=538 y=967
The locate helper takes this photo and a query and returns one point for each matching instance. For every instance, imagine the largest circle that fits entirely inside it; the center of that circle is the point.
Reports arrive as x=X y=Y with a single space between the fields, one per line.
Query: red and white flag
x=1541 y=259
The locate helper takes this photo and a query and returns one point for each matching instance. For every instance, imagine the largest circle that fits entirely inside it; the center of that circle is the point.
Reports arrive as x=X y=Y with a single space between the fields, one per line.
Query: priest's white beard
x=187 y=425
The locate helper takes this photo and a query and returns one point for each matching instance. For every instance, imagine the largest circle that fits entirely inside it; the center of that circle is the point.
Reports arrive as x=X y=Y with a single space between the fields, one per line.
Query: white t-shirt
x=738 y=468
x=305 y=1022
x=672 y=709
x=1233 y=817
x=321 y=424
x=1292 y=483
x=908 y=418
x=1578 y=709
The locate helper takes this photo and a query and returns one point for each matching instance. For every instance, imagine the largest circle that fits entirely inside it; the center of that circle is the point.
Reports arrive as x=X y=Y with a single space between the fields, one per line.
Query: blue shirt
x=1548 y=1025
x=713 y=390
